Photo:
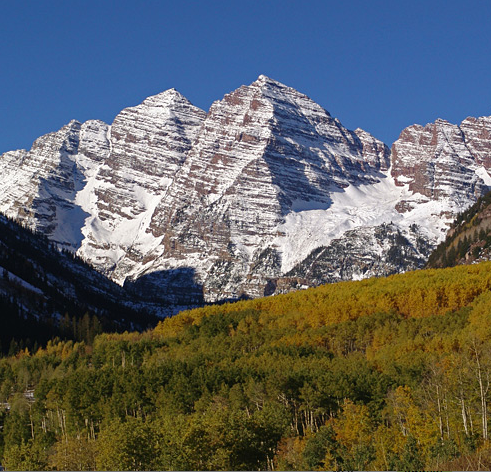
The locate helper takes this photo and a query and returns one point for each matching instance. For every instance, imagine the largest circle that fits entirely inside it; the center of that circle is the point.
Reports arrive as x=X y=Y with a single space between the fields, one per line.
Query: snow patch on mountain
x=353 y=207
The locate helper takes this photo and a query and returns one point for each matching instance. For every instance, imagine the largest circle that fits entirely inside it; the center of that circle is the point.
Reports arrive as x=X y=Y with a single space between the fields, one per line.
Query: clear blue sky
x=378 y=65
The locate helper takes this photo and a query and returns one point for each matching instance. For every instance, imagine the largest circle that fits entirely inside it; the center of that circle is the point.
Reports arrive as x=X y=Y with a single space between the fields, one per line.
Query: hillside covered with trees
x=469 y=239
x=380 y=374
x=45 y=293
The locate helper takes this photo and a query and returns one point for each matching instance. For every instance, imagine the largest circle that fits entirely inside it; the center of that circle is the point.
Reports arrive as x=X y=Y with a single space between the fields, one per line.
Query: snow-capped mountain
x=252 y=198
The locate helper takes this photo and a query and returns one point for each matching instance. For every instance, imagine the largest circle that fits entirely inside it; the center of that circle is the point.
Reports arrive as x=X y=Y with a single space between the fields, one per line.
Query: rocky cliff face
x=264 y=193
x=263 y=152
x=444 y=161
x=40 y=186
x=147 y=145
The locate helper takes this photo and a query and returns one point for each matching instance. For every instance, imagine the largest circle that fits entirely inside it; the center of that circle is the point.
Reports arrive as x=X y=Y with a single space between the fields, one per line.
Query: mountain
x=263 y=152
x=265 y=193
x=46 y=293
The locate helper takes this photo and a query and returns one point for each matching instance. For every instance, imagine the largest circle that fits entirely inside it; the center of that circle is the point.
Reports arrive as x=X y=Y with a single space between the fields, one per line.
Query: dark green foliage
x=38 y=283
x=317 y=447
x=410 y=458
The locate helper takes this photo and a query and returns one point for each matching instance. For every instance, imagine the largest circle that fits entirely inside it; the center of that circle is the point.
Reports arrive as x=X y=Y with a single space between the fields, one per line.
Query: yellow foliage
x=480 y=317
x=289 y=454
x=354 y=427
x=413 y=295
x=413 y=420
x=387 y=441
x=74 y=453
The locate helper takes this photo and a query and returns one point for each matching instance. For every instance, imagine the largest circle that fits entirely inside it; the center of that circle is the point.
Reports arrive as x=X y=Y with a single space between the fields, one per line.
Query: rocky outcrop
x=477 y=134
x=444 y=161
x=375 y=153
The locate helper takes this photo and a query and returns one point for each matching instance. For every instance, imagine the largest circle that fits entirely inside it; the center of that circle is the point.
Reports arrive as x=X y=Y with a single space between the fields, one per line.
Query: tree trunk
x=482 y=393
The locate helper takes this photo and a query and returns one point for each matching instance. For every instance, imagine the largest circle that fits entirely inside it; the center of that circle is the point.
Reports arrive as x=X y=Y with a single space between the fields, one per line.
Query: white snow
x=354 y=207
x=484 y=175
x=18 y=281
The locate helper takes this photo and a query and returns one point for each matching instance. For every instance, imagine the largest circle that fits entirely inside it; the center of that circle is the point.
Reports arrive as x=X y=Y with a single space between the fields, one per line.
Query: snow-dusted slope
x=147 y=144
x=251 y=199
x=263 y=152
x=358 y=206
x=40 y=187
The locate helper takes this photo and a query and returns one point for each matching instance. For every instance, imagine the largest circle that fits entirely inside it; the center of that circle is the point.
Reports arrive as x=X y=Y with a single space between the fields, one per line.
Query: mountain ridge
x=233 y=200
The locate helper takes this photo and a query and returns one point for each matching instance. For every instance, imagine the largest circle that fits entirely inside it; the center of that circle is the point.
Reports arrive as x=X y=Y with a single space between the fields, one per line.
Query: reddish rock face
x=439 y=160
x=375 y=153
x=171 y=195
x=148 y=145
x=477 y=133
x=260 y=149
x=90 y=186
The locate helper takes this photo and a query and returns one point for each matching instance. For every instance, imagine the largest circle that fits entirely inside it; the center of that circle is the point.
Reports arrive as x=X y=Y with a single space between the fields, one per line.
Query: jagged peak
x=362 y=132
x=417 y=127
x=72 y=123
x=474 y=119
x=265 y=80
x=71 y=126
x=168 y=98
x=442 y=122
x=94 y=122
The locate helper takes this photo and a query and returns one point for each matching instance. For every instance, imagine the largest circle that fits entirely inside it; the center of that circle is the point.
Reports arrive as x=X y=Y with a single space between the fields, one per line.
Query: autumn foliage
x=381 y=374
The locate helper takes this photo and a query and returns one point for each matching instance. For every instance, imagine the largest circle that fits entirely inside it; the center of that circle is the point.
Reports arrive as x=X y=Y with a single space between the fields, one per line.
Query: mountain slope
x=469 y=239
x=250 y=199
x=147 y=145
x=41 y=289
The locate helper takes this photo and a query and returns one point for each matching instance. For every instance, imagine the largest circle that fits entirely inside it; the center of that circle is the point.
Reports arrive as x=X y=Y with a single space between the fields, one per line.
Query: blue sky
x=378 y=65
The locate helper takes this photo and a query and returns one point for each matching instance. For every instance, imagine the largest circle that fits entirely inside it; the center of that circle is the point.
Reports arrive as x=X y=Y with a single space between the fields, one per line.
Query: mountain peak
x=165 y=99
x=442 y=122
x=264 y=80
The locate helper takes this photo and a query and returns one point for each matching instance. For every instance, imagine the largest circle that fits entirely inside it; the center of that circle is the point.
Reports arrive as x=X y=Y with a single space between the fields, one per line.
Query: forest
x=45 y=292
x=381 y=374
x=469 y=238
